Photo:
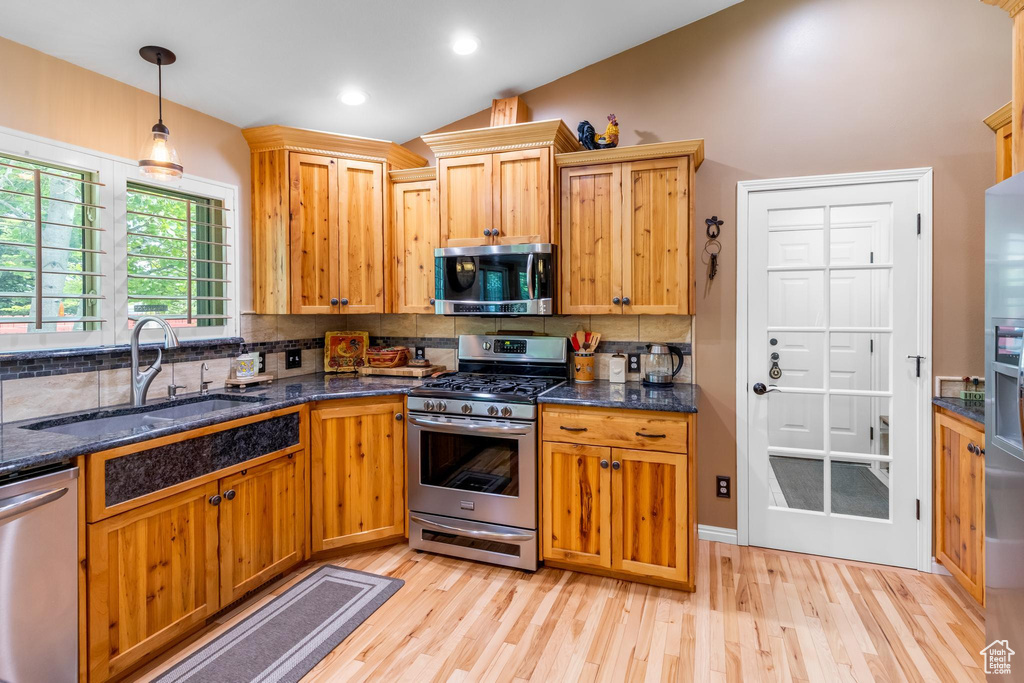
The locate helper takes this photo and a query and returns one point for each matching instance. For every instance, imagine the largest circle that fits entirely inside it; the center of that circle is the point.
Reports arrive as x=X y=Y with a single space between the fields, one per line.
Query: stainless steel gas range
x=473 y=449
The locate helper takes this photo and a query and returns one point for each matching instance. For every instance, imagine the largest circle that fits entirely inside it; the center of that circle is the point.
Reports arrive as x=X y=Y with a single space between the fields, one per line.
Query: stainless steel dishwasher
x=39 y=578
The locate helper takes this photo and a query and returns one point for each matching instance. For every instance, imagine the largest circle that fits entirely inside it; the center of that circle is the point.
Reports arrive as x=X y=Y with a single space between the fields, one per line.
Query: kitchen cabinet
x=959 y=495
x=495 y=185
x=357 y=472
x=627 y=234
x=416 y=232
x=319 y=234
x=617 y=493
x=1000 y=123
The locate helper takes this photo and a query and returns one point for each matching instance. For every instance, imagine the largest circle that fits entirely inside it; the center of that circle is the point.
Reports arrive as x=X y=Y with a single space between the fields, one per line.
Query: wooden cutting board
x=405 y=371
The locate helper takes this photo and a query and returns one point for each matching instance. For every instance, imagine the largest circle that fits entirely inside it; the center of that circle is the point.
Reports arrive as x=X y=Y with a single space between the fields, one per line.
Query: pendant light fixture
x=159 y=159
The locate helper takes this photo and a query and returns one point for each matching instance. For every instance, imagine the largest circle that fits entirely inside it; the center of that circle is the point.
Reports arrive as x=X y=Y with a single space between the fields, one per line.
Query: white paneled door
x=833 y=398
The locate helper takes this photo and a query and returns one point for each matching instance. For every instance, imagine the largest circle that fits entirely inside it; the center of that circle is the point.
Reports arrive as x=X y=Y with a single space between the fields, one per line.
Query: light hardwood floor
x=757 y=615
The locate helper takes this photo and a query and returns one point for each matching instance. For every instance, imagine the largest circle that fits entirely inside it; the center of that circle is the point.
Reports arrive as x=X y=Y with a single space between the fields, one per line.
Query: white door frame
x=923 y=177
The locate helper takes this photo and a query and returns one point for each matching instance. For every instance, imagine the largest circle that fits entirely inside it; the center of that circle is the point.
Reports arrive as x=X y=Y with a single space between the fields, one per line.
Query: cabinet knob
x=970 y=448
x=431 y=301
x=616 y=301
x=399 y=417
x=625 y=301
x=215 y=500
x=494 y=232
x=229 y=494
x=334 y=302
x=487 y=232
x=344 y=302
x=616 y=464
x=604 y=464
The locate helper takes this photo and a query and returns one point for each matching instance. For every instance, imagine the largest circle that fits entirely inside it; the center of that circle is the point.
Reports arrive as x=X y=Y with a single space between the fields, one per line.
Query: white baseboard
x=716 y=533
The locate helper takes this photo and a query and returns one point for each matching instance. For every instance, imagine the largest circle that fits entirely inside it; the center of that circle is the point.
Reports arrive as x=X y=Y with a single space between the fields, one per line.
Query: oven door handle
x=471 y=533
x=469 y=427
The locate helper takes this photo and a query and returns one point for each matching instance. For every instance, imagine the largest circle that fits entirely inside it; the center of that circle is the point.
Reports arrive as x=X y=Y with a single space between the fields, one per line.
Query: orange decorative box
x=392 y=357
x=345 y=351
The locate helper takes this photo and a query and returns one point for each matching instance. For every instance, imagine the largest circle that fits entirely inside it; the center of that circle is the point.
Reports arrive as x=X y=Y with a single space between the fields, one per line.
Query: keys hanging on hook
x=713 y=266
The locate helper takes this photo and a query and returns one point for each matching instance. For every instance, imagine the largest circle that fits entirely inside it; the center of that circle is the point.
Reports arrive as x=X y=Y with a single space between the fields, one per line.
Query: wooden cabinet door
x=313 y=231
x=417 y=234
x=657 y=275
x=152 y=578
x=261 y=524
x=591 y=249
x=361 y=237
x=522 y=196
x=576 y=519
x=960 y=502
x=466 y=197
x=1004 y=153
x=358 y=473
x=649 y=505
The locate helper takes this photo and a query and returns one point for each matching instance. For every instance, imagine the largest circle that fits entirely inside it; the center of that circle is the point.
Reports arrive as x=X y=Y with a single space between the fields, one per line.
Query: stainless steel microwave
x=505 y=280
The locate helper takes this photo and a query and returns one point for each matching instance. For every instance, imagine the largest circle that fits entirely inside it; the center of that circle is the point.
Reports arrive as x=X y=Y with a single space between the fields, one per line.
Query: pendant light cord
x=160 y=87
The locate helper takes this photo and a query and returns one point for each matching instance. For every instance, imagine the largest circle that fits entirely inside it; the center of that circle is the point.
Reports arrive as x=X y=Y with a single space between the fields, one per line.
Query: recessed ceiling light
x=353 y=97
x=465 y=45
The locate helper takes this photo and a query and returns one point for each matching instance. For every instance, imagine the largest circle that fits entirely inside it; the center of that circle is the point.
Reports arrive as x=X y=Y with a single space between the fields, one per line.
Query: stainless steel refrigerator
x=1004 y=406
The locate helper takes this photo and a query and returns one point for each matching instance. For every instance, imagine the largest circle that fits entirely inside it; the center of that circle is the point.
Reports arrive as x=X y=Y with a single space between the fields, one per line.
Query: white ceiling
x=255 y=62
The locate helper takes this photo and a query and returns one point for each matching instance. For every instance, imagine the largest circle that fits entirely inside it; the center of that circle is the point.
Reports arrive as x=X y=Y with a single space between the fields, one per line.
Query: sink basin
x=143 y=418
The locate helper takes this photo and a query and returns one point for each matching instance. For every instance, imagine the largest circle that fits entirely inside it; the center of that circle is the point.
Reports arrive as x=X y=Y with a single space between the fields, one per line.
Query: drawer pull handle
x=572 y=429
x=651 y=436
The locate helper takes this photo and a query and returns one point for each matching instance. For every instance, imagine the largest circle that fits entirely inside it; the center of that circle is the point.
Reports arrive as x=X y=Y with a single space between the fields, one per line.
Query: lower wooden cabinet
x=158 y=571
x=357 y=473
x=623 y=511
x=959 y=497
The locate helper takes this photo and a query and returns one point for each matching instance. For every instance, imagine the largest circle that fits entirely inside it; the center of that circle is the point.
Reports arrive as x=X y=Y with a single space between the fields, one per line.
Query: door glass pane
x=801 y=359
x=470 y=463
x=859 y=360
x=859 y=298
x=796 y=483
x=859 y=235
x=859 y=424
x=796 y=421
x=860 y=488
x=796 y=299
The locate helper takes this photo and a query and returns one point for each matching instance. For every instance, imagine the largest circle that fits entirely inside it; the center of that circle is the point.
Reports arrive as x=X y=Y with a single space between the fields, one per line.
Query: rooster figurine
x=589 y=138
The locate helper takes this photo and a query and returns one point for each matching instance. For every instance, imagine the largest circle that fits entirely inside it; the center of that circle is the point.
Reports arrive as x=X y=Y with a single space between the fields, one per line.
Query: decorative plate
x=345 y=351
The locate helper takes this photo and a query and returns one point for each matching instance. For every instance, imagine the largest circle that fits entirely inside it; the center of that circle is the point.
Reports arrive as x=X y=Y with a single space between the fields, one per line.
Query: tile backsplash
x=32 y=384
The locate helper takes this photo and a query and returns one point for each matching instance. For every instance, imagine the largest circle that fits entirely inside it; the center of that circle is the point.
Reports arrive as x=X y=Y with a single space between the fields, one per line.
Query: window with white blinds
x=50 y=256
x=177 y=257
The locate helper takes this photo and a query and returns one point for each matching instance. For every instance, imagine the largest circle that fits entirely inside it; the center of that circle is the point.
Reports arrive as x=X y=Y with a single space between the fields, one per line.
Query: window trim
x=115 y=173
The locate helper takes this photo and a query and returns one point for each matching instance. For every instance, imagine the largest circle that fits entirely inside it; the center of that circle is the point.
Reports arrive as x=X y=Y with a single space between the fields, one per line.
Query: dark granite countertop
x=680 y=398
x=23 y=449
x=972 y=410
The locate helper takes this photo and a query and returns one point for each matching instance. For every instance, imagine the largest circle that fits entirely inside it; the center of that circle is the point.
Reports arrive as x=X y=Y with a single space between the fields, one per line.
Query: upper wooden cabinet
x=627 y=235
x=495 y=184
x=319 y=234
x=416 y=232
x=999 y=121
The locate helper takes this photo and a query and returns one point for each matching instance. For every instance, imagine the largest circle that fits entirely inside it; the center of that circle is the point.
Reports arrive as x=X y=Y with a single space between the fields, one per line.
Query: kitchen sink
x=143 y=418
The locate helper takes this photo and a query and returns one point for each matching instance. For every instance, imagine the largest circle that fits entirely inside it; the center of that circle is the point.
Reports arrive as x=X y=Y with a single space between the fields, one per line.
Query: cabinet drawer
x=616 y=428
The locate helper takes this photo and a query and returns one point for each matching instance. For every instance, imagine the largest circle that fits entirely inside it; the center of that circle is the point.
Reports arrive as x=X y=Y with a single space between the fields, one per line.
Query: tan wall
x=799 y=87
x=49 y=97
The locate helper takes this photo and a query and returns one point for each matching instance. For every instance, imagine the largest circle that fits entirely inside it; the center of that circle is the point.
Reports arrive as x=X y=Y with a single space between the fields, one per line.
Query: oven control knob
x=487 y=346
x=492 y=410
x=442 y=406
x=466 y=408
x=428 y=405
x=506 y=411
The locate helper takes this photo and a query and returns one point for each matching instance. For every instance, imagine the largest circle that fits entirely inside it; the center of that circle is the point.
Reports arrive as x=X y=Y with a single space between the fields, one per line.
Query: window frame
x=115 y=173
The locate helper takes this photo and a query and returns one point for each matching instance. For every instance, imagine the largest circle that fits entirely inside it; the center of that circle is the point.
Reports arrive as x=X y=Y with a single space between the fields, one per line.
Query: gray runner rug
x=288 y=636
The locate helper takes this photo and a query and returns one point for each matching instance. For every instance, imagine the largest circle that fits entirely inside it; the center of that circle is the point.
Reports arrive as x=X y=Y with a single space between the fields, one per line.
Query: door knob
x=334 y=302
x=616 y=301
x=229 y=494
x=760 y=389
x=604 y=464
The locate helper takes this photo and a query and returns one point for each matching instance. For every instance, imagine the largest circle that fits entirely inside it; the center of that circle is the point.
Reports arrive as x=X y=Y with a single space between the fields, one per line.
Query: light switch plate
x=292 y=359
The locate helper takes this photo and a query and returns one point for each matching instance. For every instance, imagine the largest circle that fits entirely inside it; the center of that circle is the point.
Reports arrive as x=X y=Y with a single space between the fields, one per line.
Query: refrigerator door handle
x=1020 y=393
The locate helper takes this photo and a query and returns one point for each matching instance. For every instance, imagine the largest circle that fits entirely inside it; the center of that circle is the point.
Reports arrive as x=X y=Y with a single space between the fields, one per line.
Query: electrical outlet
x=723 y=486
x=421 y=353
x=634 y=363
x=292 y=359
x=263 y=362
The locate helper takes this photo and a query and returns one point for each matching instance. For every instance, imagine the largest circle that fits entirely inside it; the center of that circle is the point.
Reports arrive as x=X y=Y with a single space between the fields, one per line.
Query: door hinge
x=918 y=224
x=871 y=433
x=919 y=508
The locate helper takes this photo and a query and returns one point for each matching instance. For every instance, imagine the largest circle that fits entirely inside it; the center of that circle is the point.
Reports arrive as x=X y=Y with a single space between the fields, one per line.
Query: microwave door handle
x=529 y=276
x=471 y=428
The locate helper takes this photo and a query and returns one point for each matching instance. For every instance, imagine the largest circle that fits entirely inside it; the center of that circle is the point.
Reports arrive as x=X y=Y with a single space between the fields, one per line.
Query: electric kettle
x=656 y=365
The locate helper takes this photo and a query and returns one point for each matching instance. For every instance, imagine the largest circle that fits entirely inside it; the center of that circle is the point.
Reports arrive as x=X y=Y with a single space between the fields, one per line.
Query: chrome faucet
x=142 y=380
